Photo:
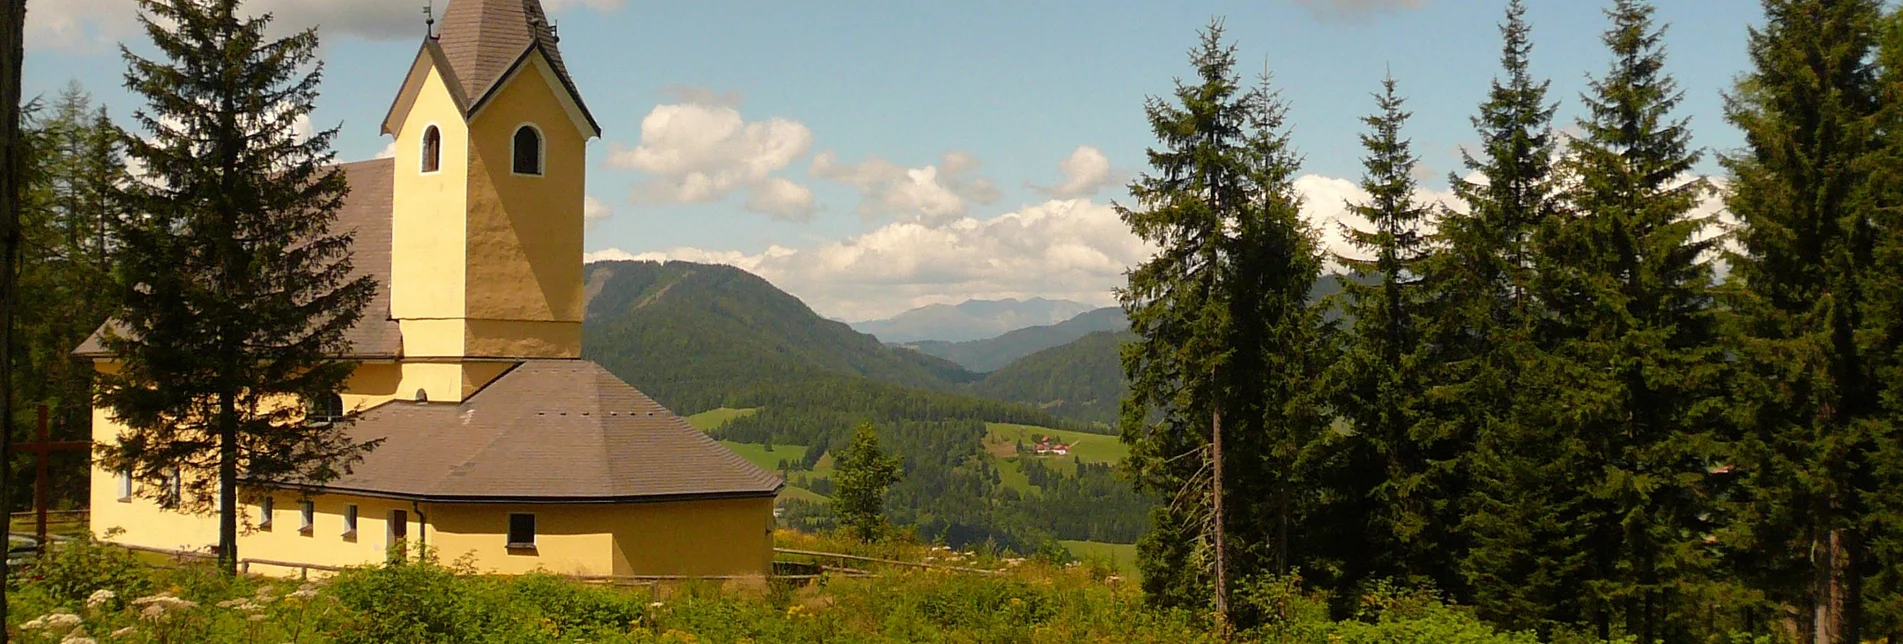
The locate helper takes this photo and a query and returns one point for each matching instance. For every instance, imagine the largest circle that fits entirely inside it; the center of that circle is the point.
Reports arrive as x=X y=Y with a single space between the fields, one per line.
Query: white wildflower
x=99 y=598
x=656 y=605
x=256 y=617
x=62 y=621
x=302 y=593
x=36 y=624
x=124 y=632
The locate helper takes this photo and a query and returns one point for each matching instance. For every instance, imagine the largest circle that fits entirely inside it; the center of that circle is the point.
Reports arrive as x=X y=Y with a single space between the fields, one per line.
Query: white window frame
x=541 y=149
x=267 y=508
x=307 y=510
x=350 y=521
x=125 y=486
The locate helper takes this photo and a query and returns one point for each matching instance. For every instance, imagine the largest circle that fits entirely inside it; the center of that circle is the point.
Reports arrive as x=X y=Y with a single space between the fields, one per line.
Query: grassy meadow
x=90 y=592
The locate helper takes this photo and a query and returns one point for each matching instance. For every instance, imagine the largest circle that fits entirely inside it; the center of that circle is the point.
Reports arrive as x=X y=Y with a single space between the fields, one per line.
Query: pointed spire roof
x=481 y=42
x=482 y=39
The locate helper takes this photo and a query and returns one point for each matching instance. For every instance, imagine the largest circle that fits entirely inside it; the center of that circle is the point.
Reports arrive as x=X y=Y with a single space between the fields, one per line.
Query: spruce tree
x=1378 y=382
x=1808 y=401
x=12 y=164
x=864 y=474
x=1632 y=343
x=1884 y=598
x=236 y=295
x=1221 y=417
x=66 y=270
x=1501 y=543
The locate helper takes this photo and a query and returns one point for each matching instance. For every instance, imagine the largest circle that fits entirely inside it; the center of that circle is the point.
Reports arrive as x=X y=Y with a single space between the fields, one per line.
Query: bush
x=74 y=570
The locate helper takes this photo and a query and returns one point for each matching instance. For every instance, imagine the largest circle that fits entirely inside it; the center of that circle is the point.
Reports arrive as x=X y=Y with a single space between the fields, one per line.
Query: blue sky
x=874 y=156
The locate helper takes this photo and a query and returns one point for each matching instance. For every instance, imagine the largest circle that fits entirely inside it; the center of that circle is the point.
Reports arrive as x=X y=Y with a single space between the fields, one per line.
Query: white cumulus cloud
x=703 y=153
x=1086 y=171
x=1072 y=249
x=595 y=211
x=933 y=194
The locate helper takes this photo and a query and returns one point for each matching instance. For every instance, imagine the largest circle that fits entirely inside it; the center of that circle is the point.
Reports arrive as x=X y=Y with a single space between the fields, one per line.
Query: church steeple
x=486 y=229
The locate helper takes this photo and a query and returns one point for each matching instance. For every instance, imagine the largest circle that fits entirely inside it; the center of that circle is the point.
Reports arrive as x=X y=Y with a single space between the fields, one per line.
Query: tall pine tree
x=1378 y=382
x=1227 y=343
x=1497 y=542
x=236 y=294
x=1884 y=597
x=1809 y=403
x=1633 y=345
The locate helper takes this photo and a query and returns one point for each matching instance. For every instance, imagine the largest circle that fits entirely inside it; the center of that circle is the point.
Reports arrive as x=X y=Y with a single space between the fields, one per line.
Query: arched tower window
x=432 y=149
x=324 y=410
x=528 y=150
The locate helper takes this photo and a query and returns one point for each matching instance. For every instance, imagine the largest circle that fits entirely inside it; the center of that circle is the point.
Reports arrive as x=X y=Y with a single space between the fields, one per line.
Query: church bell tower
x=490 y=177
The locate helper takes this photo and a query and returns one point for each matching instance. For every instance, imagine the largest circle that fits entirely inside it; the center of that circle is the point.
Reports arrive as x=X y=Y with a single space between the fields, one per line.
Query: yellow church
x=499 y=442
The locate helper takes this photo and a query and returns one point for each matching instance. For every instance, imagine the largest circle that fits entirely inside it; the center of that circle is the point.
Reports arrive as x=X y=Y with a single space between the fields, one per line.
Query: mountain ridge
x=970 y=320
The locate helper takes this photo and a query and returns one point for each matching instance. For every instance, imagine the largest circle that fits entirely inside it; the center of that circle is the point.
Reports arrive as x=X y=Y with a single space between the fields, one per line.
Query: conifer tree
x=236 y=295
x=864 y=473
x=1379 y=381
x=13 y=48
x=1885 y=593
x=1633 y=344
x=1227 y=343
x=67 y=265
x=1808 y=401
x=1499 y=532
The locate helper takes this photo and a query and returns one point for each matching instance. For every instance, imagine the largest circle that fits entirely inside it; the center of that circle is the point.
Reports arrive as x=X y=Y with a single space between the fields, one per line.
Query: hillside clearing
x=712 y=419
x=1001 y=440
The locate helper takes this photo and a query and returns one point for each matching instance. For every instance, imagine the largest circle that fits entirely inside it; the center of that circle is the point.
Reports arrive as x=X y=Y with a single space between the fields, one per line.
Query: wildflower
x=59 y=622
x=256 y=617
x=124 y=632
x=99 y=598
x=302 y=593
x=69 y=639
x=37 y=624
x=656 y=605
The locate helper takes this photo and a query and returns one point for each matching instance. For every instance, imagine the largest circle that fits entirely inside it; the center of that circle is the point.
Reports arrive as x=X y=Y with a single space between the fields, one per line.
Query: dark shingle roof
x=366 y=212
x=482 y=40
x=546 y=431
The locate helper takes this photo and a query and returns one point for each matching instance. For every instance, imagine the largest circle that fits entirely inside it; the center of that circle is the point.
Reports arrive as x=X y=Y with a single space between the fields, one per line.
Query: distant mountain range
x=993 y=354
x=970 y=320
x=691 y=334
x=700 y=336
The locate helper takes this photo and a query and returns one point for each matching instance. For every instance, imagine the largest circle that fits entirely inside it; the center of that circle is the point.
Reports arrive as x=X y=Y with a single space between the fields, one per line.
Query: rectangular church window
x=266 y=506
x=521 y=532
x=307 y=510
x=125 y=486
x=350 y=522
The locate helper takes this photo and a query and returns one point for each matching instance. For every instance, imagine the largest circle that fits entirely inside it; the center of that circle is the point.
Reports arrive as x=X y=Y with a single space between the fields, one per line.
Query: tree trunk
x=1222 y=556
x=227 y=485
x=12 y=55
x=1834 y=594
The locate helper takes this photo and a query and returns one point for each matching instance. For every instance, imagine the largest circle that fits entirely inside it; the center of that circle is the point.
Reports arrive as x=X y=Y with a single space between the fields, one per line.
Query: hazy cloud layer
x=1075 y=249
x=701 y=152
x=95 y=25
x=1357 y=9
x=1071 y=249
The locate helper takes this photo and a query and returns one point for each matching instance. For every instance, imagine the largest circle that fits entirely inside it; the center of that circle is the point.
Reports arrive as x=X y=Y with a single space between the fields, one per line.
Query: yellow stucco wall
x=428 y=230
x=712 y=538
x=525 y=232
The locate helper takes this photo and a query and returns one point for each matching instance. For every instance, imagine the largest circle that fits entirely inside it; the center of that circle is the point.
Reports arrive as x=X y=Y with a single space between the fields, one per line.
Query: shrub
x=73 y=570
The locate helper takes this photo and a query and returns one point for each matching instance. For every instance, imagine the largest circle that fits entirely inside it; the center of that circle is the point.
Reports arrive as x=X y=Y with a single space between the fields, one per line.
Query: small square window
x=266 y=506
x=350 y=522
x=125 y=486
x=307 y=511
x=521 y=532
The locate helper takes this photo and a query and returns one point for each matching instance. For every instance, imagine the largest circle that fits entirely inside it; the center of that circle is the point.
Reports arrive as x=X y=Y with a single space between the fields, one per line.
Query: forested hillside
x=992 y=354
x=698 y=337
x=691 y=335
x=1082 y=380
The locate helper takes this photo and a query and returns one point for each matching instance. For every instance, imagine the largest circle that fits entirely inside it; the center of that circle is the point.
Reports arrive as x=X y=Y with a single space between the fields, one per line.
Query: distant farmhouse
x=499 y=441
x=1045 y=447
